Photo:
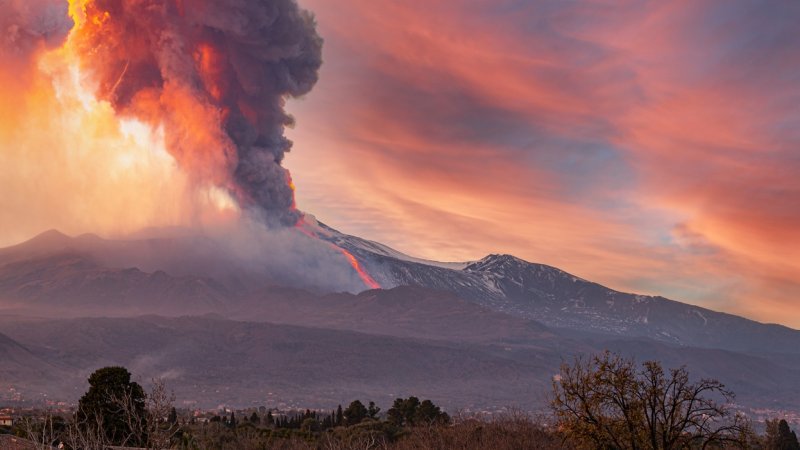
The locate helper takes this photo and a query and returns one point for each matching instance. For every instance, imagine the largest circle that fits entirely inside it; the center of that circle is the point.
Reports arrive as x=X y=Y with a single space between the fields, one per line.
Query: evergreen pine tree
x=403 y=411
x=355 y=413
x=98 y=405
x=787 y=439
x=427 y=413
x=339 y=416
x=372 y=410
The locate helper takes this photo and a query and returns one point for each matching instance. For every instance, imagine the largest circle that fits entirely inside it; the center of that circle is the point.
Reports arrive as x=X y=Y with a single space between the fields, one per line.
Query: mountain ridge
x=499 y=282
x=500 y=319
x=561 y=300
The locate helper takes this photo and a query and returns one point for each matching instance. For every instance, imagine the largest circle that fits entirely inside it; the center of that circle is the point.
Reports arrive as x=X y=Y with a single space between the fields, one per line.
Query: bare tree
x=160 y=430
x=606 y=402
x=86 y=431
x=148 y=427
x=126 y=406
x=43 y=433
x=364 y=441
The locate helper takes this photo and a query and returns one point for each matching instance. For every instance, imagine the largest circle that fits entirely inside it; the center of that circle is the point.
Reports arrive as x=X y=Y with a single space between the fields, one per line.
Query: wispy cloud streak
x=649 y=145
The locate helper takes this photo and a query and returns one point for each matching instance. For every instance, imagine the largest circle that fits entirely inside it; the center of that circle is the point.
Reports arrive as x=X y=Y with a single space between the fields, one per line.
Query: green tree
x=609 y=402
x=330 y=420
x=254 y=418
x=339 y=416
x=172 y=419
x=780 y=437
x=270 y=418
x=355 y=413
x=372 y=410
x=427 y=413
x=114 y=407
x=310 y=425
x=403 y=411
x=410 y=411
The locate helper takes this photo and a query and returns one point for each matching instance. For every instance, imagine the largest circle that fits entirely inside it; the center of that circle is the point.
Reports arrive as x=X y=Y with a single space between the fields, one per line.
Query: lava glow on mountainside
x=362 y=273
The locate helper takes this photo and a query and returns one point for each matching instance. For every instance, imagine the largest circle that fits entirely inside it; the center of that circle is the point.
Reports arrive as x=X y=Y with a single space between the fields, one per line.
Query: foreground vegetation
x=604 y=402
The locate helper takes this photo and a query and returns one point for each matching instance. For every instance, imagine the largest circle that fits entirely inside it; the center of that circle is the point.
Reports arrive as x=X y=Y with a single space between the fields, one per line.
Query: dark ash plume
x=217 y=74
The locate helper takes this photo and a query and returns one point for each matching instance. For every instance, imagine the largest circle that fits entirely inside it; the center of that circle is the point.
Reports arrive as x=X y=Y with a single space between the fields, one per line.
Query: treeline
x=404 y=412
x=603 y=402
x=508 y=432
x=349 y=427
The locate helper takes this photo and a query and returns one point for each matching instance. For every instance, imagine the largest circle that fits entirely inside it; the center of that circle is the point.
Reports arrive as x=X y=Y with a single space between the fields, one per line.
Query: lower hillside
x=213 y=361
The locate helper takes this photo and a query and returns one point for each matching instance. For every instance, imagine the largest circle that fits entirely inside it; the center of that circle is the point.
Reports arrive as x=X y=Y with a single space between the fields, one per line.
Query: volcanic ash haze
x=216 y=75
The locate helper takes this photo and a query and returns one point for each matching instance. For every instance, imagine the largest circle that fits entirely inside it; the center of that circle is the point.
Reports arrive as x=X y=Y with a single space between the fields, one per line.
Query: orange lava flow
x=365 y=277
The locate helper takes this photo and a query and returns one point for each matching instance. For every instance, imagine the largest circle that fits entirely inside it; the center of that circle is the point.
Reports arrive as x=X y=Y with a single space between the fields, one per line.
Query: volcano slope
x=480 y=335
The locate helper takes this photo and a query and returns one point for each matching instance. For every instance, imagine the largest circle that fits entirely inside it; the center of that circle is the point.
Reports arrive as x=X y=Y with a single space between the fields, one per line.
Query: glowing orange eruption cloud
x=216 y=85
x=67 y=160
x=138 y=113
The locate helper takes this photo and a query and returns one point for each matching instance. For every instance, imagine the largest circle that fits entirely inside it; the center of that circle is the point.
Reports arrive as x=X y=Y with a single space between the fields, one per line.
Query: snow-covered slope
x=561 y=300
x=371 y=247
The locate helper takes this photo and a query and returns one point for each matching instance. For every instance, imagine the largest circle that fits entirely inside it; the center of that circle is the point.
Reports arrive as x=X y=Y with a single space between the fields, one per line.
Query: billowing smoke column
x=215 y=74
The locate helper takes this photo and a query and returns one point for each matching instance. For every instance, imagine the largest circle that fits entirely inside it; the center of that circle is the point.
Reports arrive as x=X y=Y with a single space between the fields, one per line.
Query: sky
x=652 y=147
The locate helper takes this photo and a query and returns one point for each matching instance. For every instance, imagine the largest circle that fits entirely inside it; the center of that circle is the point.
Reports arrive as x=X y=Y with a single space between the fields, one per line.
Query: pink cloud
x=582 y=136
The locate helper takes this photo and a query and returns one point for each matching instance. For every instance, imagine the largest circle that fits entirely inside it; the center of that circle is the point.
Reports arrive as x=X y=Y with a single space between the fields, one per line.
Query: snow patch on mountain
x=559 y=299
x=367 y=246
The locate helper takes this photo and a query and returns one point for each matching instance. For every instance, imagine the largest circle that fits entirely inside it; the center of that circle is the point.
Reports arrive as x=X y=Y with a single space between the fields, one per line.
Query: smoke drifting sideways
x=242 y=254
x=216 y=75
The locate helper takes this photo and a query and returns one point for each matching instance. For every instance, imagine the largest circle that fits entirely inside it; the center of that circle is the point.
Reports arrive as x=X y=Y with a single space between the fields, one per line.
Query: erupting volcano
x=210 y=78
